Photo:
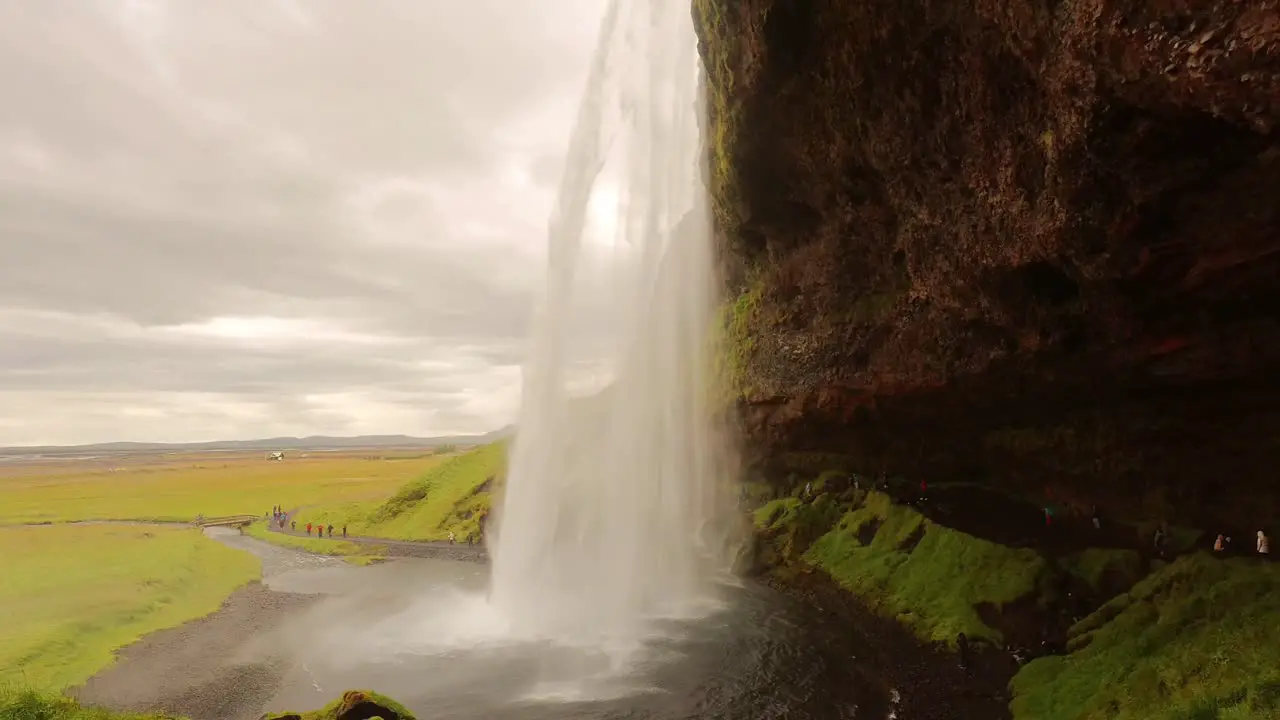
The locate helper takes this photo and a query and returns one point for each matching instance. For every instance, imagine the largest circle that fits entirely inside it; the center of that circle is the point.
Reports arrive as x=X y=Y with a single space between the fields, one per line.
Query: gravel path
x=214 y=668
x=207 y=669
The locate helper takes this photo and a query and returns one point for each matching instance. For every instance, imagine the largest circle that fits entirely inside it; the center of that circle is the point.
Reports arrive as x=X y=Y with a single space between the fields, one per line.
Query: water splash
x=618 y=509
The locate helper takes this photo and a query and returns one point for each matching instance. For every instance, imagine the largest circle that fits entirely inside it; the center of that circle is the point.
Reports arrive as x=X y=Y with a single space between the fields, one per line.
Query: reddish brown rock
x=1033 y=242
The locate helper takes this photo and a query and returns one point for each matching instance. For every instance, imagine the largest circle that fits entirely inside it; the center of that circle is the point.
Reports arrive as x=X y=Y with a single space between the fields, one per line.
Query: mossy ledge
x=938 y=581
x=1109 y=632
x=23 y=704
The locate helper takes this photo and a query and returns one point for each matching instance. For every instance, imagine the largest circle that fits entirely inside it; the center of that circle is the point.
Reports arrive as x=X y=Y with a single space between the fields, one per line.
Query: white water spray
x=619 y=509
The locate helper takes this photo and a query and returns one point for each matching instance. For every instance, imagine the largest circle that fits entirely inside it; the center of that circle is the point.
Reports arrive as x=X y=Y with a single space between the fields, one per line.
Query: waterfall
x=618 y=508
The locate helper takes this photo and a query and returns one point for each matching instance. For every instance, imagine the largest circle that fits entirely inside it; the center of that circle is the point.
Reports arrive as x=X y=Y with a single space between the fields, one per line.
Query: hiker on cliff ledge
x=962 y=649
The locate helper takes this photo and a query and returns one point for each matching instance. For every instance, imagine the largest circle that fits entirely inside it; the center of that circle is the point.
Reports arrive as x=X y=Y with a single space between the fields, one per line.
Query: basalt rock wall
x=1033 y=243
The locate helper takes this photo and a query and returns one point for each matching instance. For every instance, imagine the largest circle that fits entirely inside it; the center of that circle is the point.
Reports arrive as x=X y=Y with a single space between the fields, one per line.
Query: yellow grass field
x=181 y=486
x=70 y=595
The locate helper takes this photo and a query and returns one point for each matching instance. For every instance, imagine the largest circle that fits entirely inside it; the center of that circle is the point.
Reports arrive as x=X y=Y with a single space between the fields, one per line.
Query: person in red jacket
x=308 y=528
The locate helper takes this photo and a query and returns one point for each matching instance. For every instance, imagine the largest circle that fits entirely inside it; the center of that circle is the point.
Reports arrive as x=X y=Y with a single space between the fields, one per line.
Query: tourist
x=450 y=537
x=1160 y=540
x=293 y=525
x=331 y=531
x=1220 y=543
x=1264 y=544
x=924 y=490
x=808 y=488
x=1020 y=655
x=308 y=528
x=962 y=649
x=1048 y=515
x=1097 y=519
x=344 y=531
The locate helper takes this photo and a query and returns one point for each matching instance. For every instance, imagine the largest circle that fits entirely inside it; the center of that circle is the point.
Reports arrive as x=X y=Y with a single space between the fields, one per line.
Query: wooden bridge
x=226 y=521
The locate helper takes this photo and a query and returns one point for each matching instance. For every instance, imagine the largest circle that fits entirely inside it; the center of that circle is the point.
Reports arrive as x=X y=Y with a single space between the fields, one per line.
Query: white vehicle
x=277 y=455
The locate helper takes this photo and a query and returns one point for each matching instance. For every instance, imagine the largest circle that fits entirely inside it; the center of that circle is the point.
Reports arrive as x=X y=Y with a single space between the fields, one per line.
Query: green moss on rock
x=1101 y=568
x=353 y=705
x=738 y=318
x=717 y=37
x=930 y=577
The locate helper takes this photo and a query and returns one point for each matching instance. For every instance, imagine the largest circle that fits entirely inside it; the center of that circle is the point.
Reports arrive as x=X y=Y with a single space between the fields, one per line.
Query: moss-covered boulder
x=353 y=705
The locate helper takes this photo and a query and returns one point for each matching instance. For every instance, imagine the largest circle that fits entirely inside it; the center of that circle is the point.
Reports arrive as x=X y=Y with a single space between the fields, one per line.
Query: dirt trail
x=398 y=548
x=994 y=516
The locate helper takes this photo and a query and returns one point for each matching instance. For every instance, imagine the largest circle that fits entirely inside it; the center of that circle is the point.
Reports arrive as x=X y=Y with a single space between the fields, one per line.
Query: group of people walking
x=281 y=518
x=321 y=528
x=1263 y=544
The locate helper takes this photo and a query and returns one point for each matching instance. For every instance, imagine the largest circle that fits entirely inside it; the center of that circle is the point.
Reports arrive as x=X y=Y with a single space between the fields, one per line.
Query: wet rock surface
x=1028 y=243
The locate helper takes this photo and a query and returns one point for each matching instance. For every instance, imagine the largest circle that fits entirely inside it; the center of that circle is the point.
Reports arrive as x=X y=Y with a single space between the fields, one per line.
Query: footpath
x=430 y=549
x=986 y=513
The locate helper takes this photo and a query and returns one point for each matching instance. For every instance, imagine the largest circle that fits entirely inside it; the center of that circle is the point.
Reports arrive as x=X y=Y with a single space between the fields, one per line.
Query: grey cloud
x=199 y=160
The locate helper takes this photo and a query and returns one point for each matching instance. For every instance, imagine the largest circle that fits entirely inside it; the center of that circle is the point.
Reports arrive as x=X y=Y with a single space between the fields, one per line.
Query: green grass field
x=181 y=487
x=448 y=497
x=1194 y=640
x=73 y=594
x=354 y=553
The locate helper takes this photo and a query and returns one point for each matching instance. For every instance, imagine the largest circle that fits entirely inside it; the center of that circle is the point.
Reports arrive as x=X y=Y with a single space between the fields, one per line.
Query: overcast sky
x=249 y=218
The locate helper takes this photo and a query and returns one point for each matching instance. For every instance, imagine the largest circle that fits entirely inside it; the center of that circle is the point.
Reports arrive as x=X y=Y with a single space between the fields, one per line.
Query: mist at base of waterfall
x=618 y=508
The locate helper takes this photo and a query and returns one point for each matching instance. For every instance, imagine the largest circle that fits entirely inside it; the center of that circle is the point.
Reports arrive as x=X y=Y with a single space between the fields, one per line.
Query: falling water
x=616 y=508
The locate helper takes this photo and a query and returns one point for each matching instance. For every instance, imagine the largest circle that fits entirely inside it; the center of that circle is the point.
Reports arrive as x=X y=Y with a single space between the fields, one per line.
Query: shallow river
x=421 y=632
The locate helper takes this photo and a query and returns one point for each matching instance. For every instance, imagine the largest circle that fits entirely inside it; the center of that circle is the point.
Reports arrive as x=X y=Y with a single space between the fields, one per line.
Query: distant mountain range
x=314 y=442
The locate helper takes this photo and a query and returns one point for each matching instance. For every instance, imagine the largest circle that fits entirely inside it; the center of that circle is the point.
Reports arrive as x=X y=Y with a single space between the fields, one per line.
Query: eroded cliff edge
x=1035 y=244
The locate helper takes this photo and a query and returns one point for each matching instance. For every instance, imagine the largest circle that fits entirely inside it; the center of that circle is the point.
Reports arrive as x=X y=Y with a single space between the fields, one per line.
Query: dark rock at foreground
x=353 y=705
x=1034 y=243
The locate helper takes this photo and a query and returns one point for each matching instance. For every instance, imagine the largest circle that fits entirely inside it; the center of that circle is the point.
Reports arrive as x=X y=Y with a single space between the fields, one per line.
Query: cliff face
x=1029 y=242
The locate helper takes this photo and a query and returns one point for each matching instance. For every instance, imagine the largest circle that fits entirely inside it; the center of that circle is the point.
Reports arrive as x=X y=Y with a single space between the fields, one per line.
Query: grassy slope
x=443 y=499
x=1195 y=640
x=71 y=595
x=26 y=704
x=180 y=491
x=1094 y=564
x=22 y=704
x=936 y=586
x=354 y=553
